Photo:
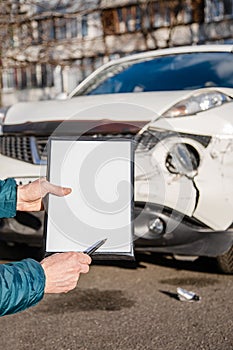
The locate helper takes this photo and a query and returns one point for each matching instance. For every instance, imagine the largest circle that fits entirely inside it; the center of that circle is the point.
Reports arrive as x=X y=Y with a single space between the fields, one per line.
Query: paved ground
x=121 y=308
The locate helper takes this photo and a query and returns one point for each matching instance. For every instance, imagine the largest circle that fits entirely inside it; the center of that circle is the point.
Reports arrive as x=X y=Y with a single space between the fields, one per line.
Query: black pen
x=90 y=250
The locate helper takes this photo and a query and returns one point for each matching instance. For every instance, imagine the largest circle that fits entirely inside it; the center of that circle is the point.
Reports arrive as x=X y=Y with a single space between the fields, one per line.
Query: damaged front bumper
x=160 y=229
x=183 y=191
x=192 y=174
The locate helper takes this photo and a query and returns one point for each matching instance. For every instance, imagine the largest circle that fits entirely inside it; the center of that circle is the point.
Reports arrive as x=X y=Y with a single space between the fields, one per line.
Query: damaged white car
x=177 y=104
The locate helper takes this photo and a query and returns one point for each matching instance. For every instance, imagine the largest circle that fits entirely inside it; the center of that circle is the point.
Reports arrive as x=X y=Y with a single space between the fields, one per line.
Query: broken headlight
x=182 y=159
x=198 y=102
x=179 y=151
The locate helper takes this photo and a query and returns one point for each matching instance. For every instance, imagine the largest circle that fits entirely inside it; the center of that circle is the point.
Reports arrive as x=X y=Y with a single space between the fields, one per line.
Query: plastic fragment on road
x=185 y=295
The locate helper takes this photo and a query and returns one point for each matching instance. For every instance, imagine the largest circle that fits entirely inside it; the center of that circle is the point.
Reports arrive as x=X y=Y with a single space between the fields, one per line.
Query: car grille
x=25 y=148
x=41 y=143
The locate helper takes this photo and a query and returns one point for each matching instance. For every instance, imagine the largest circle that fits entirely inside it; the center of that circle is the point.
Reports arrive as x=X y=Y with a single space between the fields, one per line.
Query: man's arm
x=26 y=197
x=23 y=284
x=8 y=194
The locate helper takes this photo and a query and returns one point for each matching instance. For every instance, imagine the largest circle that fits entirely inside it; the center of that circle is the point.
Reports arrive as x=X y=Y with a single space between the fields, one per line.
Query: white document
x=100 y=173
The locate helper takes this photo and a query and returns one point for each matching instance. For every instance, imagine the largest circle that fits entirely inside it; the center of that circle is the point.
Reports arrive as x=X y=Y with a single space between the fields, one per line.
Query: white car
x=177 y=104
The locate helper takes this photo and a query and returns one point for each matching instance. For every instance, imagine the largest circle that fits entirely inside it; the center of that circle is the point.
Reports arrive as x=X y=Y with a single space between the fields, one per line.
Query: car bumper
x=163 y=230
x=23 y=172
x=172 y=233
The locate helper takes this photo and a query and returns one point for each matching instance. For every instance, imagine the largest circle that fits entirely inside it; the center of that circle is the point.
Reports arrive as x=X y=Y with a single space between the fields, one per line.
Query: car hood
x=146 y=106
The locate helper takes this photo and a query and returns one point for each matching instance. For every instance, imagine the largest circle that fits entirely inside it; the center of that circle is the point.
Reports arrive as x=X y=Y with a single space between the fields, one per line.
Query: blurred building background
x=48 y=47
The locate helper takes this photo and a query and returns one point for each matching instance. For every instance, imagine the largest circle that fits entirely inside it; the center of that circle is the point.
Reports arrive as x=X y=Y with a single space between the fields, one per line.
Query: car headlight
x=183 y=159
x=198 y=102
x=179 y=152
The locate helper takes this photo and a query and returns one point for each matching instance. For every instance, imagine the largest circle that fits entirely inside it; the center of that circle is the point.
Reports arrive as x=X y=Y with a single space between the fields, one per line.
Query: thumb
x=59 y=191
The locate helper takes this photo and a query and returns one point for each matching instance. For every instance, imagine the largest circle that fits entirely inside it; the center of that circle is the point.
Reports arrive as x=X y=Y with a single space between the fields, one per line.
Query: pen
x=90 y=250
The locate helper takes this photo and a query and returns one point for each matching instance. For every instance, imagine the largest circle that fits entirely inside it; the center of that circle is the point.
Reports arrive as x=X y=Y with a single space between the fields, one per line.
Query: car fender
x=214 y=183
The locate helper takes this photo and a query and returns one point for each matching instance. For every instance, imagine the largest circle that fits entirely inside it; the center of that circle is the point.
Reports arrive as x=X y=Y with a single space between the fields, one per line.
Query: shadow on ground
x=202 y=264
x=86 y=300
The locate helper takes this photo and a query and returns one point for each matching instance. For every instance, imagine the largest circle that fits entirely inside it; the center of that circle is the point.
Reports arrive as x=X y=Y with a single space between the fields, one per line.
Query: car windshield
x=164 y=73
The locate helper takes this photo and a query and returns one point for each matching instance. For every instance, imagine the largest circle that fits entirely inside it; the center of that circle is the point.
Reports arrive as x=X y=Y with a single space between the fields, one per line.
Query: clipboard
x=100 y=172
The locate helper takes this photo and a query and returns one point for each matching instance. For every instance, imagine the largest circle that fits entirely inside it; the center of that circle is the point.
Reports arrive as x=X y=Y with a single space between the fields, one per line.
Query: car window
x=164 y=73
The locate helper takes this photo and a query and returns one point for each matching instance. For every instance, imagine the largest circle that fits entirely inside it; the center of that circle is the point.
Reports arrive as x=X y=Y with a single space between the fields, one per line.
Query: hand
x=29 y=197
x=62 y=271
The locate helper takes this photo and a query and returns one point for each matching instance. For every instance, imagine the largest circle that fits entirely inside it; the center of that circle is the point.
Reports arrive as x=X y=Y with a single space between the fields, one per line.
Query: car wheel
x=225 y=261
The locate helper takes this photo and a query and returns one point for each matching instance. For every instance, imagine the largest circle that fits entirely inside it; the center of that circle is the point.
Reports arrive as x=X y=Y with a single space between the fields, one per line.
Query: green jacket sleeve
x=8 y=198
x=21 y=285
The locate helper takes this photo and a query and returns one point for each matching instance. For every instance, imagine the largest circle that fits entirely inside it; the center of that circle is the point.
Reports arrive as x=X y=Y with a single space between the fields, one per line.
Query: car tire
x=225 y=262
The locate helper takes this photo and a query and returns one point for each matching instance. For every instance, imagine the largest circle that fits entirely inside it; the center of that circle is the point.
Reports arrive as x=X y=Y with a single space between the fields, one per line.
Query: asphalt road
x=130 y=308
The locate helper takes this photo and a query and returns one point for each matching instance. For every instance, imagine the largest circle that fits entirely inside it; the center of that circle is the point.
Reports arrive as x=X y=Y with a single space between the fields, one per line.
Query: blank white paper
x=100 y=205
